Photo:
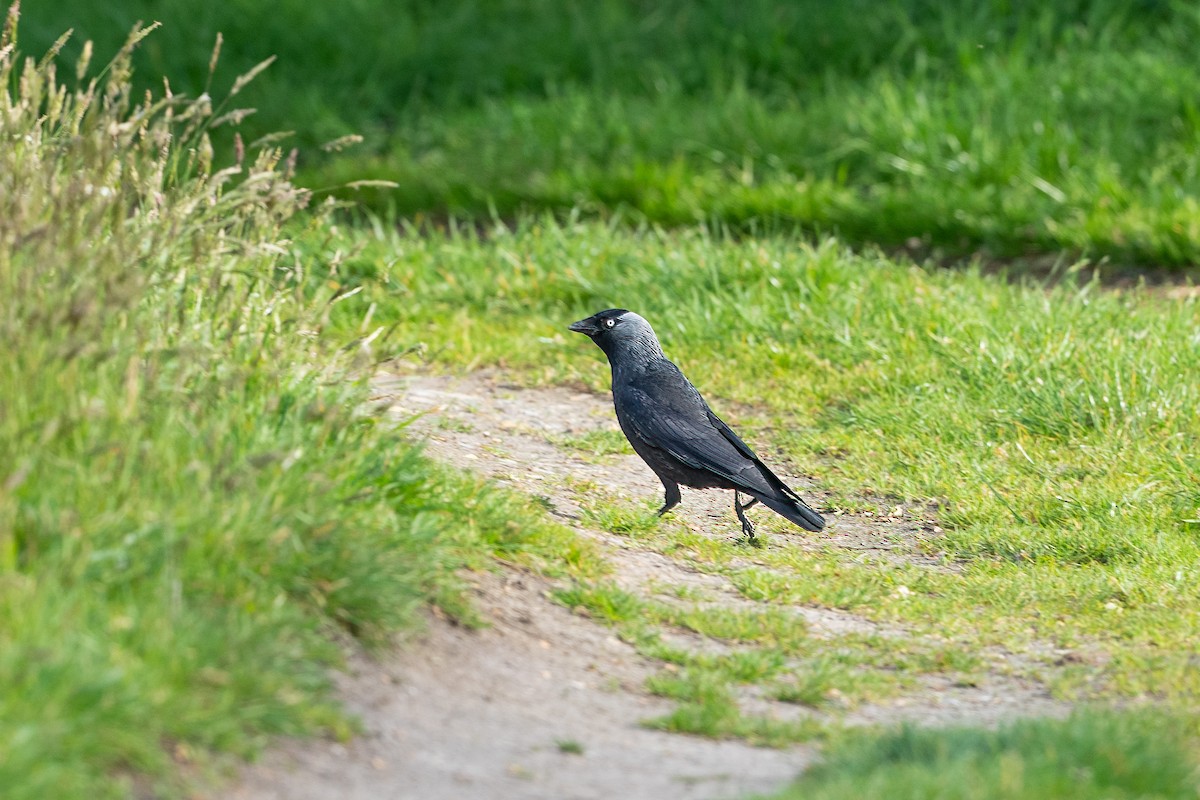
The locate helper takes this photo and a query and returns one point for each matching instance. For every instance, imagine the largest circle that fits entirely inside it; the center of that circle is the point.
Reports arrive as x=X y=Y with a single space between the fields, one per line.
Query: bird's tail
x=795 y=510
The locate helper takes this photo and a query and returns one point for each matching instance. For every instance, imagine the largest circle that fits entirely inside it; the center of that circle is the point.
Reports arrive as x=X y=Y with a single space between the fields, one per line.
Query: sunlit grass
x=1049 y=427
x=597 y=443
x=192 y=498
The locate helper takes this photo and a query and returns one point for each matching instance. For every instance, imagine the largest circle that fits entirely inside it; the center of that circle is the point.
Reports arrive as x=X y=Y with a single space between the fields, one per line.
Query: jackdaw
x=673 y=429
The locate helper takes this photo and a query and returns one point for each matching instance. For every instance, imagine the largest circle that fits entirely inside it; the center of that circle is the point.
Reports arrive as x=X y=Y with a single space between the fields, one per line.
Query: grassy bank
x=1050 y=428
x=1020 y=130
x=1047 y=430
x=191 y=498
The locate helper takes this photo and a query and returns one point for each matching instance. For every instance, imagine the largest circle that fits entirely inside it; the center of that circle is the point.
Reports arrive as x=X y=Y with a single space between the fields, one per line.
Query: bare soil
x=548 y=704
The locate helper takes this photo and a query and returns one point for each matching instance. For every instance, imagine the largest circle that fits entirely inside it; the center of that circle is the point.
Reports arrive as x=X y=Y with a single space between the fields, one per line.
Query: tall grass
x=191 y=496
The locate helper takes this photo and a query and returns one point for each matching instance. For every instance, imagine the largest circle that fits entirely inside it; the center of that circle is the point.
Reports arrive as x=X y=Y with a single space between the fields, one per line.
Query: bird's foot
x=740 y=509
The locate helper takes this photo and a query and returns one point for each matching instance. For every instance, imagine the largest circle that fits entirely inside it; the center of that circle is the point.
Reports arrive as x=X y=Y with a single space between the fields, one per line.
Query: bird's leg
x=672 y=497
x=740 y=508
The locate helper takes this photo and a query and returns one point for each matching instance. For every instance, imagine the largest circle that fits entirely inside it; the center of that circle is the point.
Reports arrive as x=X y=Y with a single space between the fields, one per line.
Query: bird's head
x=622 y=335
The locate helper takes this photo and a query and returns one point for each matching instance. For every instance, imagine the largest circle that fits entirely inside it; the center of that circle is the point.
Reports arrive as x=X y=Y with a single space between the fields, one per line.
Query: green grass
x=711 y=653
x=1019 y=130
x=569 y=747
x=1091 y=754
x=597 y=444
x=1135 y=752
x=1050 y=426
x=1003 y=154
x=193 y=499
x=401 y=61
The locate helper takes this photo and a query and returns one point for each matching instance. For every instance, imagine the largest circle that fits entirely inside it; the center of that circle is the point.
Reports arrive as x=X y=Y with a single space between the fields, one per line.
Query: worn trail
x=545 y=703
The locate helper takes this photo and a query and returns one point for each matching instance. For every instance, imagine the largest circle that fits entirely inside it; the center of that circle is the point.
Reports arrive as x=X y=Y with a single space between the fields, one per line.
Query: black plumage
x=673 y=429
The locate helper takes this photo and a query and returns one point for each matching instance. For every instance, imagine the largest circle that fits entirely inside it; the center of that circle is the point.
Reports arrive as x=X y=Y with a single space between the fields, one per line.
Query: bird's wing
x=733 y=438
x=667 y=412
x=745 y=450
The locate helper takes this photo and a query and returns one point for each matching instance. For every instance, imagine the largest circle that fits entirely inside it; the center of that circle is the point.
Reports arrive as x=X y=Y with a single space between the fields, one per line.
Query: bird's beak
x=585 y=326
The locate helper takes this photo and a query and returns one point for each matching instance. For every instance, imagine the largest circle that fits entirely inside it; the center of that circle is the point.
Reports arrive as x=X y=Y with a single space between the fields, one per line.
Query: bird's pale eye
x=608 y=323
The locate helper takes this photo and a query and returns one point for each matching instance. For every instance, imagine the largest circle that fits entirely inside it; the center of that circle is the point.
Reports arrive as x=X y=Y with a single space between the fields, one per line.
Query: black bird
x=673 y=429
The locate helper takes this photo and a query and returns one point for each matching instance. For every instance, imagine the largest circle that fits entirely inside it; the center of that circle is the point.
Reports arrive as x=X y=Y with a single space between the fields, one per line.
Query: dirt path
x=546 y=704
x=496 y=713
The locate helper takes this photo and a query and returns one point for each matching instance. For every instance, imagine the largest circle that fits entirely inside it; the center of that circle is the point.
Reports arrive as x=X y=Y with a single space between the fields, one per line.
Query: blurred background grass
x=1011 y=129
